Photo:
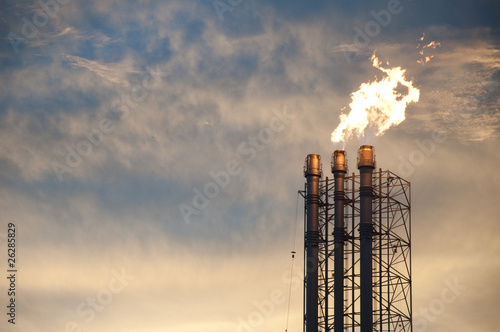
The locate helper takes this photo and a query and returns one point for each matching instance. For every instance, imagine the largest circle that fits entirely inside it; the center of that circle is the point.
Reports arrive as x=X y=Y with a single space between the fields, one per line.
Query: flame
x=432 y=44
x=424 y=59
x=376 y=106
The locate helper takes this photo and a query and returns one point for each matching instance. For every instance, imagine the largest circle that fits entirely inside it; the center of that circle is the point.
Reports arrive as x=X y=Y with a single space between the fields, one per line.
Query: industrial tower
x=357 y=247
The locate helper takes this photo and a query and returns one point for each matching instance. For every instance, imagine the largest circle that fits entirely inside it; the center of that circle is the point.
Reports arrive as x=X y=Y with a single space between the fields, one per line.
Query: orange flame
x=432 y=44
x=424 y=59
x=376 y=106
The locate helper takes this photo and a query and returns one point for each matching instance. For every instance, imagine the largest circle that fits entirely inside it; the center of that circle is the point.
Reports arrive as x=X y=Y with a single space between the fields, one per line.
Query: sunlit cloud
x=119 y=207
x=113 y=72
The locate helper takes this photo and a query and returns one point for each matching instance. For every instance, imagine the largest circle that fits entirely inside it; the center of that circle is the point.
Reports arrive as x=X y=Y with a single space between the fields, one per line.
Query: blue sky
x=114 y=114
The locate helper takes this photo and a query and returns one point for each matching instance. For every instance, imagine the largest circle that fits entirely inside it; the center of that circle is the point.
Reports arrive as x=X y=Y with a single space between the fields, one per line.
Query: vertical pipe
x=353 y=259
x=380 y=237
x=305 y=255
x=388 y=258
x=326 y=253
x=339 y=169
x=312 y=172
x=366 y=164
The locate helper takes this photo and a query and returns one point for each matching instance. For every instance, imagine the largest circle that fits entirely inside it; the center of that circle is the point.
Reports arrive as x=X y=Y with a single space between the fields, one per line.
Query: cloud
x=461 y=98
x=113 y=72
x=119 y=207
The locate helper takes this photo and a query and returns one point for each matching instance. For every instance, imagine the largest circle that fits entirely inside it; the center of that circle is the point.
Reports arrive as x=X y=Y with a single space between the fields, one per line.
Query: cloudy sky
x=151 y=153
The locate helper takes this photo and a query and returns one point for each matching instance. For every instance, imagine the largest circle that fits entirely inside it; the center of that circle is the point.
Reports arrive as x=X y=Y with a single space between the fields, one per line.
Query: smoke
x=376 y=106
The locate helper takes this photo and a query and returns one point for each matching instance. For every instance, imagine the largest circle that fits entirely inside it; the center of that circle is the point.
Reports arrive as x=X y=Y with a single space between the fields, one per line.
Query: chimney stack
x=357 y=276
x=366 y=164
x=339 y=169
x=312 y=172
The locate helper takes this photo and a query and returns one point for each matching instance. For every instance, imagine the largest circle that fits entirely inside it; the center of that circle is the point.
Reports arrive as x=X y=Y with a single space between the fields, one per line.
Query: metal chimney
x=366 y=164
x=371 y=285
x=312 y=172
x=339 y=169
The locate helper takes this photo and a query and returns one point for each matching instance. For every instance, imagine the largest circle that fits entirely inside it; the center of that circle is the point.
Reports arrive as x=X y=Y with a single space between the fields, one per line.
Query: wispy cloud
x=461 y=95
x=113 y=72
x=119 y=208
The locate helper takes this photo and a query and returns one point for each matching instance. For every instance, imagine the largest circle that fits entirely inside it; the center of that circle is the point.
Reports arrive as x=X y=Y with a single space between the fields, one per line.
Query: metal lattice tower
x=390 y=254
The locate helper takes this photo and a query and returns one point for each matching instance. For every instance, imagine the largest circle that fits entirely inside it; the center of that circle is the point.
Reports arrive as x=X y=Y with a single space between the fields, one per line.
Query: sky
x=152 y=152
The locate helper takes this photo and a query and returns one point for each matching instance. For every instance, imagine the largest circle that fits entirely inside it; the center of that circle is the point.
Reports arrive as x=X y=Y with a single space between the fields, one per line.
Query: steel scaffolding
x=391 y=254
